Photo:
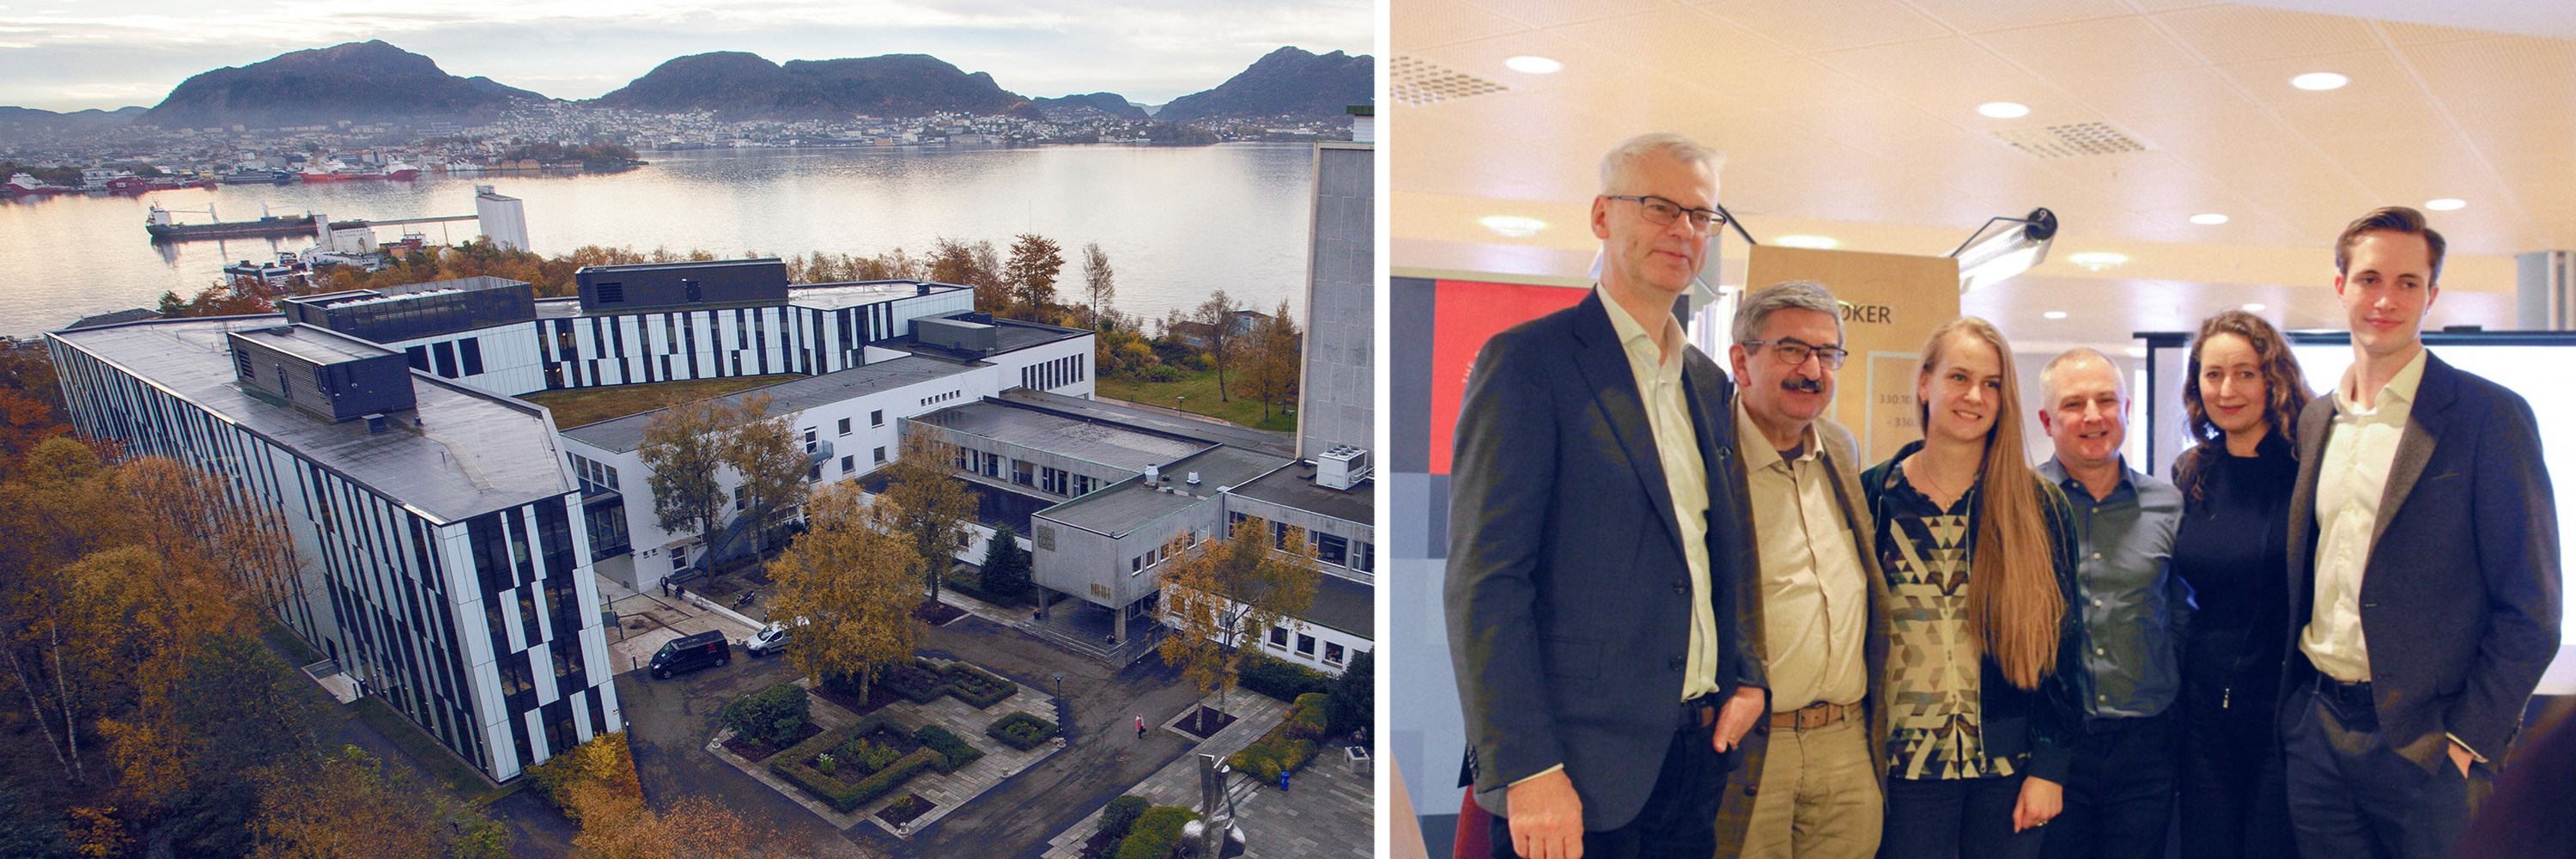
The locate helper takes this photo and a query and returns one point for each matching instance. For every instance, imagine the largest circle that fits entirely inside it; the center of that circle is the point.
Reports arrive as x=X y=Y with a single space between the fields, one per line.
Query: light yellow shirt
x=1814 y=597
x=1659 y=383
x=2352 y=480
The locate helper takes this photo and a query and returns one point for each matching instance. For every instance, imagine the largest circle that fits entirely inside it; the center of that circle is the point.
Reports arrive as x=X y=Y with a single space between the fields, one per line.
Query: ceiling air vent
x=1418 y=82
x=2071 y=141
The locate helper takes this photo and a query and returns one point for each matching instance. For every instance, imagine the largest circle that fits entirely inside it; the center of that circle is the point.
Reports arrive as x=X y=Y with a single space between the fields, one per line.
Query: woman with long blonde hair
x=1979 y=555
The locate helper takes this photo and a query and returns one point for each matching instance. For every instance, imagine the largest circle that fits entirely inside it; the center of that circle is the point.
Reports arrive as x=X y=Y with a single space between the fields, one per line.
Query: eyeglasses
x=1793 y=352
x=1661 y=212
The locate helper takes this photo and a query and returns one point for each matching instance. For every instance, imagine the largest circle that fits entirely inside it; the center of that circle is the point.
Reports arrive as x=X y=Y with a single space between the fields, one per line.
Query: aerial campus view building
x=449 y=533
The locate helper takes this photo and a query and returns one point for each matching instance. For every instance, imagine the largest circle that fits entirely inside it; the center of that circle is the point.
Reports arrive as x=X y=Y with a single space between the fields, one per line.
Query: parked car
x=770 y=639
x=691 y=652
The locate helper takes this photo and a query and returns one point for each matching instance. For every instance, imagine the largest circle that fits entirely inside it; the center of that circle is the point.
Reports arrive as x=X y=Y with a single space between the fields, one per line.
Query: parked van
x=692 y=652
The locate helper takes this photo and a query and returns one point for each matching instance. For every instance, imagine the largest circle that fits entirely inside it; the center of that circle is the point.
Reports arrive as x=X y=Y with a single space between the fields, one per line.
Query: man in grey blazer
x=1594 y=551
x=2424 y=578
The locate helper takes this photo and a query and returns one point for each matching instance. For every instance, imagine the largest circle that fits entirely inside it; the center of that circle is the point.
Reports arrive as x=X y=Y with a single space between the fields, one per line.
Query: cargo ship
x=164 y=228
x=249 y=176
x=332 y=170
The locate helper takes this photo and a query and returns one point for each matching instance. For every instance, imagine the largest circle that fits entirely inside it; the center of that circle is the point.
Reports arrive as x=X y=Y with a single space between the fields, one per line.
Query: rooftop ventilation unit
x=1342 y=467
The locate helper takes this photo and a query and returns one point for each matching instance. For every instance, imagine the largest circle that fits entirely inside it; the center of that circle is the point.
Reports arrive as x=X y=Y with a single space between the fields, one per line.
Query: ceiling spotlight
x=1533 y=65
x=2004 y=109
x=2253 y=308
x=1512 y=226
x=2097 y=260
x=1991 y=255
x=1822 y=243
x=2055 y=314
x=2445 y=204
x=2320 y=81
x=2209 y=219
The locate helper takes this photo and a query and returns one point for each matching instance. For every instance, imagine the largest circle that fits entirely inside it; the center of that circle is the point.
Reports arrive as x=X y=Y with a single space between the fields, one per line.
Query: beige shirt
x=1814 y=597
x=2352 y=479
x=1659 y=383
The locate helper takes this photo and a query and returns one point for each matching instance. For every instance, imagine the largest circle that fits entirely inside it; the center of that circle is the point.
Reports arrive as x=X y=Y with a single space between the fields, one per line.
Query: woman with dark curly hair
x=2242 y=397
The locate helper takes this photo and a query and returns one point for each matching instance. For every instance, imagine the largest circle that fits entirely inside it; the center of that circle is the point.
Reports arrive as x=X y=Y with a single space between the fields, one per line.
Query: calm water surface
x=1177 y=223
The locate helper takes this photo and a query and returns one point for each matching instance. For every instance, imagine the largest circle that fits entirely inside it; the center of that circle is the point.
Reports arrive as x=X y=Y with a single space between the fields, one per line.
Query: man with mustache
x=2120 y=792
x=1814 y=614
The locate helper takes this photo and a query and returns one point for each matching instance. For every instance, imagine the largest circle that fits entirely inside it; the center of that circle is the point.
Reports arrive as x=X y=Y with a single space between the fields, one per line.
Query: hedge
x=1289 y=745
x=919 y=681
x=770 y=716
x=1156 y=832
x=1021 y=730
x=976 y=687
x=955 y=752
x=846 y=797
x=1279 y=678
x=1120 y=816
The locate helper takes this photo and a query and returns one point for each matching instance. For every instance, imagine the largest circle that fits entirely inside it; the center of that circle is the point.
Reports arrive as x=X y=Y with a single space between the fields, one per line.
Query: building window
x=845 y=426
x=1279 y=637
x=737 y=498
x=1305 y=645
x=1332 y=654
x=1279 y=536
x=1135 y=565
x=809 y=441
x=815 y=473
x=1083 y=485
x=1022 y=473
x=1364 y=559
x=1332 y=550
x=851 y=463
x=1053 y=480
x=471 y=350
x=876 y=418
x=881 y=454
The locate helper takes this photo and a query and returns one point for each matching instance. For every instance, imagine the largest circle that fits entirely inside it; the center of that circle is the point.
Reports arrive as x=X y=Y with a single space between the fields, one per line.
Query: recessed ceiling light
x=2055 y=314
x=2004 y=109
x=2209 y=219
x=1533 y=65
x=1512 y=226
x=2445 y=204
x=2097 y=260
x=1822 y=243
x=2253 y=308
x=2320 y=81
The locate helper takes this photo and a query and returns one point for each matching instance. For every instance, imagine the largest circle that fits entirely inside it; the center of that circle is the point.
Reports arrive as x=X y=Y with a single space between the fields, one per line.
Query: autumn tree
x=932 y=507
x=683 y=447
x=977 y=265
x=1218 y=591
x=1100 y=280
x=851 y=575
x=1035 y=262
x=1271 y=361
x=1217 y=315
x=349 y=805
x=764 y=452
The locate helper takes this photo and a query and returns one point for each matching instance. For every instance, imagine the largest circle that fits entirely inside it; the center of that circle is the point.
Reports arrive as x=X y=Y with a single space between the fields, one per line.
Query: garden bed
x=1021 y=730
x=937 y=613
x=878 y=697
x=902 y=811
x=853 y=773
x=1205 y=722
x=756 y=751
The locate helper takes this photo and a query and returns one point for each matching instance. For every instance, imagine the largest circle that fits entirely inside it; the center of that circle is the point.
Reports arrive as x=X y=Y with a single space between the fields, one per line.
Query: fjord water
x=1176 y=222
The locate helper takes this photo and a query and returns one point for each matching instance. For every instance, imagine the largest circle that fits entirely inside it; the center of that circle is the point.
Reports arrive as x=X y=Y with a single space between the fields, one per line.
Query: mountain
x=737 y=85
x=1288 y=82
x=1078 y=106
x=20 y=123
x=357 y=81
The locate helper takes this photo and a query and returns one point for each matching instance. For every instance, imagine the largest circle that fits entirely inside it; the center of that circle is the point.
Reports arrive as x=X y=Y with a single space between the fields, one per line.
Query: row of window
x=849 y=464
x=1332 y=549
x=444 y=357
x=595 y=477
x=1049 y=375
x=1333 y=653
x=875 y=419
x=936 y=399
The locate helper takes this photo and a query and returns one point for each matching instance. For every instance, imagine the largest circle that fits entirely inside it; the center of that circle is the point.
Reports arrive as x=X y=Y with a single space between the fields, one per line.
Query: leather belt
x=2348 y=699
x=1813 y=716
x=1696 y=713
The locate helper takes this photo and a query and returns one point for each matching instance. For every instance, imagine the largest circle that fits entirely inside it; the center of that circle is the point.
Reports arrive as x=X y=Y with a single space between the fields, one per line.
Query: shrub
x=955 y=752
x=1280 y=679
x=1021 y=730
x=919 y=681
x=772 y=716
x=1257 y=759
x=1354 y=696
x=973 y=686
x=1120 y=816
x=845 y=797
x=870 y=757
x=1306 y=716
x=605 y=760
x=1155 y=833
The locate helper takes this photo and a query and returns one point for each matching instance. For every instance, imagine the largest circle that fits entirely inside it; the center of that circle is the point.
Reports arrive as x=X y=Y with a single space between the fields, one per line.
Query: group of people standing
x=1689 y=620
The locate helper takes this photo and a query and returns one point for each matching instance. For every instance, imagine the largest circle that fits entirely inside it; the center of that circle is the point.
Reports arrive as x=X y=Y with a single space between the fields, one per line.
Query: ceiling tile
x=1549 y=13
x=1484 y=58
x=2500 y=79
x=2136 y=95
x=2402 y=33
x=1979 y=16
x=2236 y=34
x=2109 y=46
x=1971 y=75
x=1812 y=27
x=2380 y=90
x=1673 y=41
x=1416 y=24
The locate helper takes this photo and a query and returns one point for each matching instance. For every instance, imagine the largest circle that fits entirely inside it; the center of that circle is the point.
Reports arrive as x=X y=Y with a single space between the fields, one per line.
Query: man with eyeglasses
x=1814 y=616
x=1595 y=546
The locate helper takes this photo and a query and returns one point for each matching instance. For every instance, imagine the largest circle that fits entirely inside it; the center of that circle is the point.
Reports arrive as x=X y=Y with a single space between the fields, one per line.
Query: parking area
x=645 y=621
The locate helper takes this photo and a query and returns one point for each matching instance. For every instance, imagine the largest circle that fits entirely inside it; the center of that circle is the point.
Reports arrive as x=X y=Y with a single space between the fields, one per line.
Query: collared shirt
x=2135 y=609
x=2352 y=479
x=1659 y=384
x=1815 y=603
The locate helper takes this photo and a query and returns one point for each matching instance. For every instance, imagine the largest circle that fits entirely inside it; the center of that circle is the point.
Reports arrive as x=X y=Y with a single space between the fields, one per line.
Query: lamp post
x=1059 y=685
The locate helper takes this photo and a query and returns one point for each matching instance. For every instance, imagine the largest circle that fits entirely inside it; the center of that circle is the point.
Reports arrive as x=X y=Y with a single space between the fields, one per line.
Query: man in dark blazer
x=2424 y=578
x=1594 y=546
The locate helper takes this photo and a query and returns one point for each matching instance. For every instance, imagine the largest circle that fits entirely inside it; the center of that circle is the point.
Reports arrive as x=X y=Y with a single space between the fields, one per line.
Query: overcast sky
x=67 y=55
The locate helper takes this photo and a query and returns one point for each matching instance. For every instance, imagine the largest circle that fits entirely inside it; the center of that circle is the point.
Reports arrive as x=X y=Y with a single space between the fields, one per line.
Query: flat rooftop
x=1127 y=505
x=1294 y=487
x=834 y=296
x=1345 y=605
x=788 y=397
x=310 y=343
x=472 y=453
x=1009 y=335
x=1097 y=441
x=1211 y=431
x=476 y=283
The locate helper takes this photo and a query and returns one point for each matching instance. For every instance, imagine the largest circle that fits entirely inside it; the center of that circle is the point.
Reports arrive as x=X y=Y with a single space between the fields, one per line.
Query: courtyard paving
x=1328 y=811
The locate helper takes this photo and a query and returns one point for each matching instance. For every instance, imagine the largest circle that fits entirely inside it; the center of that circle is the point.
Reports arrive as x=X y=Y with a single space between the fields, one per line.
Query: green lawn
x=583 y=406
x=460 y=779
x=1197 y=394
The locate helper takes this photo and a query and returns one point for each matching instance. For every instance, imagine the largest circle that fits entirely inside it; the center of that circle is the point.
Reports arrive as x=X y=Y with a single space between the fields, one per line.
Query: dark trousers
x=2233 y=802
x=2119 y=793
x=1680 y=817
x=1964 y=817
x=2352 y=796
